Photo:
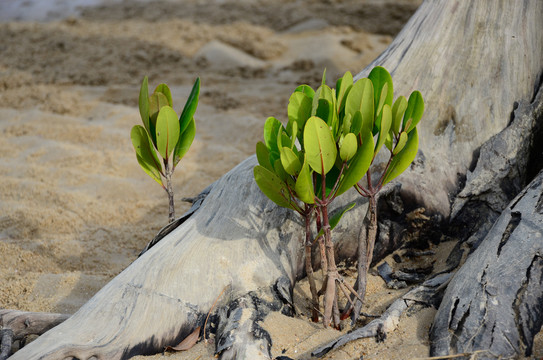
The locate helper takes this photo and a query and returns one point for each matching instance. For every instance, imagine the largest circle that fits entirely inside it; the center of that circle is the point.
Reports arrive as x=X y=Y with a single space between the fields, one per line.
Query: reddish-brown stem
x=169 y=190
x=309 y=266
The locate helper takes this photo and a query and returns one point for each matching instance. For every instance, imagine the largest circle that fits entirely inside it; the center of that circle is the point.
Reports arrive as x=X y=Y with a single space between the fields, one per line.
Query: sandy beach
x=76 y=208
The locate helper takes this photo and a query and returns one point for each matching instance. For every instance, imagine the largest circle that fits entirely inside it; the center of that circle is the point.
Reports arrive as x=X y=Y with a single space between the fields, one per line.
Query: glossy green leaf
x=347 y=123
x=382 y=99
x=190 y=107
x=164 y=89
x=398 y=110
x=359 y=164
x=404 y=158
x=343 y=86
x=388 y=141
x=386 y=122
x=307 y=90
x=280 y=171
x=144 y=104
x=167 y=131
x=356 y=124
x=304 y=185
x=263 y=155
x=271 y=128
x=415 y=110
x=379 y=76
x=401 y=143
x=272 y=186
x=320 y=146
x=290 y=161
x=185 y=141
x=360 y=98
x=348 y=147
x=299 y=109
x=145 y=153
x=325 y=111
x=156 y=102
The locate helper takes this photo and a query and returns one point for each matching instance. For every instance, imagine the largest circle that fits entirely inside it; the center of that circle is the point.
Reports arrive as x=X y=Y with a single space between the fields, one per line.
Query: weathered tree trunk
x=471 y=60
x=495 y=301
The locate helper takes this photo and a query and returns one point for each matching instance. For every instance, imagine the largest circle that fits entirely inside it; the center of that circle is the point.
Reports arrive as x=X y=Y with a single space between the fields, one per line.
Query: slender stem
x=335 y=188
x=169 y=190
x=309 y=266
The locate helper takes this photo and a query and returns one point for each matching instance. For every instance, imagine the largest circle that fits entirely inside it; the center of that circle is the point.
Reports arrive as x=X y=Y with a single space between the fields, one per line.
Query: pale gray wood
x=495 y=301
x=471 y=60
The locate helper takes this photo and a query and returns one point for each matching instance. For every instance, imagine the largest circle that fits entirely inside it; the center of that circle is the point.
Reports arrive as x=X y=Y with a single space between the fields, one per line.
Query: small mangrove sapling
x=165 y=138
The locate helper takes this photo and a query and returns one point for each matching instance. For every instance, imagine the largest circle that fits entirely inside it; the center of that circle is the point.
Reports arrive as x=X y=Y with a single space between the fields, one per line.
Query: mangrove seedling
x=164 y=138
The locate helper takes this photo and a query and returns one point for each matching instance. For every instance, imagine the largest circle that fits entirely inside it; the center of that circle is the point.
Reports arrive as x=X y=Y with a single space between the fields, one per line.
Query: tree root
x=16 y=325
x=378 y=328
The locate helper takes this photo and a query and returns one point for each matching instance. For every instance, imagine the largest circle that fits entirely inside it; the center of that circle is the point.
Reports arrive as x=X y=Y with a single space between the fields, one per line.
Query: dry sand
x=75 y=208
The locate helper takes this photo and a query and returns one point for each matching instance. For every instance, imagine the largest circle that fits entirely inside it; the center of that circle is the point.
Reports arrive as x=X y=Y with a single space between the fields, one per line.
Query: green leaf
x=167 y=131
x=271 y=128
x=290 y=161
x=145 y=153
x=336 y=217
x=299 y=109
x=386 y=121
x=320 y=145
x=325 y=111
x=190 y=106
x=382 y=99
x=401 y=143
x=388 y=141
x=263 y=155
x=379 y=76
x=144 y=104
x=404 y=158
x=156 y=102
x=307 y=90
x=360 y=98
x=272 y=186
x=359 y=164
x=304 y=185
x=184 y=143
x=343 y=86
x=398 y=109
x=164 y=89
x=348 y=147
x=356 y=125
x=415 y=109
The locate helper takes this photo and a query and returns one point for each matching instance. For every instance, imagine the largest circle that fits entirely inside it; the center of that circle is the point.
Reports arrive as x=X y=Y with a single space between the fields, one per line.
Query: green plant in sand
x=331 y=139
x=164 y=138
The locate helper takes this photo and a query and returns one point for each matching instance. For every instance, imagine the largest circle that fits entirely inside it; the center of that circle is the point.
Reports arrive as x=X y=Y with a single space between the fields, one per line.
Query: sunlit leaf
x=401 y=143
x=299 y=109
x=156 y=102
x=304 y=185
x=271 y=128
x=144 y=104
x=348 y=147
x=360 y=98
x=185 y=141
x=167 y=131
x=414 y=111
x=359 y=164
x=379 y=76
x=263 y=155
x=343 y=86
x=398 y=109
x=404 y=158
x=386 y=121
x=290 y=161
x=164 y=89
x=307 y=90
x=382 y=98
x=272 y=186
x=356 y=125
x=145 y=154
x=190 y=107
x=320 y=146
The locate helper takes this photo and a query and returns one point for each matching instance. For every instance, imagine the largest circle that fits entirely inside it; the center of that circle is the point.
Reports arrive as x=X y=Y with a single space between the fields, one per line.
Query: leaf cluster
x=163 y=134
x=333 y=136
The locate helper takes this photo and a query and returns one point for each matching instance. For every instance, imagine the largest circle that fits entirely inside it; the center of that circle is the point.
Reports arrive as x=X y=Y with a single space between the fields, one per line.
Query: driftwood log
x=472 y=60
